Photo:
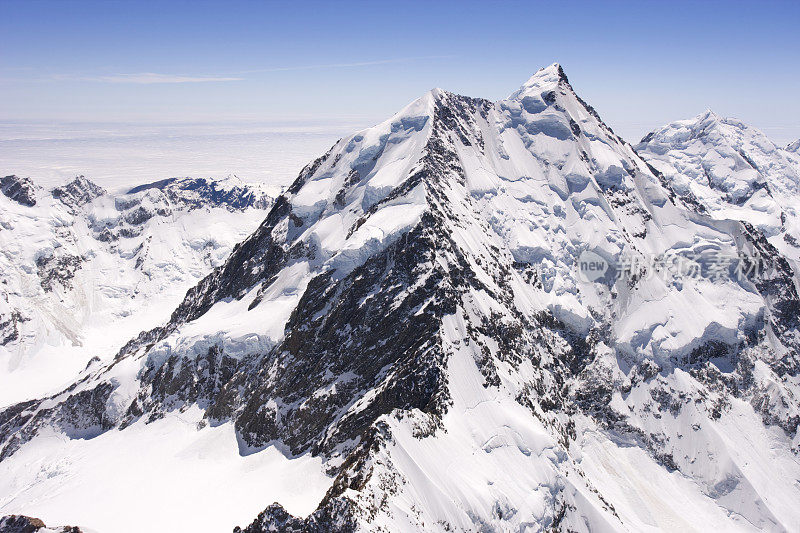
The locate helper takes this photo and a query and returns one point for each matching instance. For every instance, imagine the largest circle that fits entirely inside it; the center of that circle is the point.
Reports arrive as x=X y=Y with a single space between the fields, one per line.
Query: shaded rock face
x=21 y=190
x=58 y=270
x=738 y=173
x=327 y=328
x=325 y=520
x=162 y=199
x=200 y=192
x=20 y=524
x=78 y=192
x=420 y=348
x=27 y=524
x=9 y=326
x=775 y=280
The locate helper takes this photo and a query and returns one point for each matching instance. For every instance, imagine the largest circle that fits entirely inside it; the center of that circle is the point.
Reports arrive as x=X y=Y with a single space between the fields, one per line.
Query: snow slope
x=409 y=326
x=734 y=171
x=188 y=469
x=83 y=270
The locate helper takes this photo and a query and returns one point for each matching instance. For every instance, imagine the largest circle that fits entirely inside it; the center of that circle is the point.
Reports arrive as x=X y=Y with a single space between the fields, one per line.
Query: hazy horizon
x=118 y=156
x=640 y=66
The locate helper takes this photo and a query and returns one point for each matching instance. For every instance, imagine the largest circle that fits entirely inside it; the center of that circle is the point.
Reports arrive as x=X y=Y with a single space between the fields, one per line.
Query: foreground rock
x=26 y=524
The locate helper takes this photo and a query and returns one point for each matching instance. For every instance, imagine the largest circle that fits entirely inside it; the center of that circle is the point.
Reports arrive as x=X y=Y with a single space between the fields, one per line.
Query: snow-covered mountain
x=410 y=342
x=82 y=270
x=734 y=172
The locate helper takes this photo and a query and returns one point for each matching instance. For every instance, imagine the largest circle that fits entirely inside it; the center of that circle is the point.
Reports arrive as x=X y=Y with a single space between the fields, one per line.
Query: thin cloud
x=146 y=78
x=149 y=78
x=343 y=65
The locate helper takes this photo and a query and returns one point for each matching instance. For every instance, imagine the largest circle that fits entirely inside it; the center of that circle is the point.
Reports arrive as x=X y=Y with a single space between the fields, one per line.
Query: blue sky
x=640 y=64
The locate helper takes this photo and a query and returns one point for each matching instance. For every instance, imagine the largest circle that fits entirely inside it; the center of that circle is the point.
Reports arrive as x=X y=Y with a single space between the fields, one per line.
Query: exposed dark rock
x=20 y=524
x=78 y=192
x=9 y=326
x=333 y=518
x=57 y=270
x=774 y=279
x=27 y=524
x=194 y=193
x=21 y=190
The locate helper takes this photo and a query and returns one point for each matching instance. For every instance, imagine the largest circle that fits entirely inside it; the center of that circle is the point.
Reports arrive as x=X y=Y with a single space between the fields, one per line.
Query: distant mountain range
x=84 y=270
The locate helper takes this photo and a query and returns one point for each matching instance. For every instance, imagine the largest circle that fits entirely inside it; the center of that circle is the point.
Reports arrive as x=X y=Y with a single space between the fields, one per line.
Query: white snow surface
x=122 y=286
x=504 y=468
x=734 y=171
x=171 y=469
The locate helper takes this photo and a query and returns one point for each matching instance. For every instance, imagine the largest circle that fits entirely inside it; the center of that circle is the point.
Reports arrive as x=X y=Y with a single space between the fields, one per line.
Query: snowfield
x=86 y=275
x=170 y=468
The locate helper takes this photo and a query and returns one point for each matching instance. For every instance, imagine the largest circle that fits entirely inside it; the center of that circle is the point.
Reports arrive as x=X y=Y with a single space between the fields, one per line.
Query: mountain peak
x=78 y=192
x=728 y=167
x=193 y=193
x=711 y=117
x=545 y=79
x=708 y=123
x=793 y=147
x=21 y=190
x=708 y=115
x=554 y=70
